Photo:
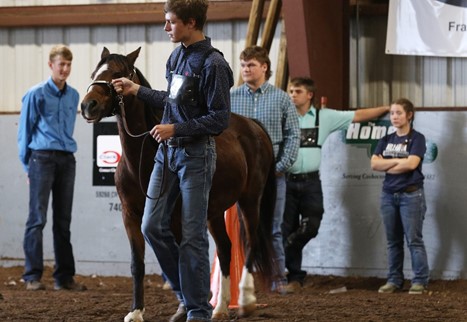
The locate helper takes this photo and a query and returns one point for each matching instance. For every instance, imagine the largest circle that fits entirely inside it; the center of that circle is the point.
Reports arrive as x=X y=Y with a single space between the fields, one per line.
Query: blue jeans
x=302 y=218
x=403 y=215
x=50 y=171
x=186 y=266
x=277 y=240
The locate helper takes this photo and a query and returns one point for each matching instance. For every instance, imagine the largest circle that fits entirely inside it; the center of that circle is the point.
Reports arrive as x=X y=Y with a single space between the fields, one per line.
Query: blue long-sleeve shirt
x=47 y=120
x=210 y=116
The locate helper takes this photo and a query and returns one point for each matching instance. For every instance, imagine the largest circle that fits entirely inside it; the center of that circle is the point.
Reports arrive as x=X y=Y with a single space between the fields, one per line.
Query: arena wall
x=351 y=239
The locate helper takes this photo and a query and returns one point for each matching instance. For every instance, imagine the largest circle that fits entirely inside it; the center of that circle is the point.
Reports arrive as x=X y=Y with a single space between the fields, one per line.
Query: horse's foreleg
x=246 y=297
x=137 y=245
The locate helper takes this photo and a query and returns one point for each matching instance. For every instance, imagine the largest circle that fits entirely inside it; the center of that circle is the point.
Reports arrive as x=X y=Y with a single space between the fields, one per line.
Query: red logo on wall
x=110 y=157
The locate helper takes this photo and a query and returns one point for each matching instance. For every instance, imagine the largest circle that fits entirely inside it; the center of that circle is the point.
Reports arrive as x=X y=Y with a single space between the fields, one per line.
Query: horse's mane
x=143 y=81
x=153 y=115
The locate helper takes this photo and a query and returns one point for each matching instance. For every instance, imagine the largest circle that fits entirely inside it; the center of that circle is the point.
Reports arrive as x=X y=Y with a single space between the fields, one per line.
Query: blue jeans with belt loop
x=277 y=240
x=186 y=266
x=50 y=171
x=403 y=214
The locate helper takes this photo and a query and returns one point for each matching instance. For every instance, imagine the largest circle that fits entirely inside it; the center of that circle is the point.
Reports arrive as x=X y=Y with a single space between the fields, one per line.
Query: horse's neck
x=131 y=122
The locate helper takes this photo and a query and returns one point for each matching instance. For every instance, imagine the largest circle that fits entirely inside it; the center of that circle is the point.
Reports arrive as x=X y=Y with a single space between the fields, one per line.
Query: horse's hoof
x=220 y=316
x=246 y=310
x=134 y=316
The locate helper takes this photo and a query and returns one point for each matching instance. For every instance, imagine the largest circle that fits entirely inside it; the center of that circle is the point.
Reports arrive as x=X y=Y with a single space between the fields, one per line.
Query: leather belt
x=411 y=188
x=298 y=177
x=182 y=141
x=54 y=152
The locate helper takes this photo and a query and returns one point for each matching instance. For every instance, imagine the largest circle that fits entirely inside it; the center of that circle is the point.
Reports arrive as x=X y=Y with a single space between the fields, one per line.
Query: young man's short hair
x=60 y=50
x=189 y=9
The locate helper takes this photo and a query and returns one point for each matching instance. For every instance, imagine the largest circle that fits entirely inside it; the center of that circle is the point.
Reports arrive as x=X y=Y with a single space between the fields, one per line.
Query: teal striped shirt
x=274 y=109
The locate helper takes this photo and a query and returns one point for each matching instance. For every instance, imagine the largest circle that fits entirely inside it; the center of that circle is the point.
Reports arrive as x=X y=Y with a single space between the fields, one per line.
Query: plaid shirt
x=273 y=108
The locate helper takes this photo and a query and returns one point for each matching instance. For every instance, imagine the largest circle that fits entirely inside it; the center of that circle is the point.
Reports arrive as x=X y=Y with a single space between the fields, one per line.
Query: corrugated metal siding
x=24 y=53
x=377 y=78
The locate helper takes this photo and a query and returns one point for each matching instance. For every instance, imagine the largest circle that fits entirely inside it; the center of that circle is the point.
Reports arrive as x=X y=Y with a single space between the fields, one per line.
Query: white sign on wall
x=109 y=151
x=427 y=27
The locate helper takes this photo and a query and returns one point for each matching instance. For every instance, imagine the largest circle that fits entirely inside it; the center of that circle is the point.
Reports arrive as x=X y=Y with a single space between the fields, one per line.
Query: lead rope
x=145 y=135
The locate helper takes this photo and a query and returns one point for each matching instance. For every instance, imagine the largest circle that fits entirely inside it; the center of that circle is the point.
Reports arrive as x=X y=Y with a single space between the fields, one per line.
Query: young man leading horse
x=196 y=108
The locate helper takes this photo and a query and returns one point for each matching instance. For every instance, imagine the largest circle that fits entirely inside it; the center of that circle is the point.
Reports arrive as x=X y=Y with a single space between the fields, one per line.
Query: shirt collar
x=312 y=111
x=262 y=89
x=54 y=89
x=202 y=44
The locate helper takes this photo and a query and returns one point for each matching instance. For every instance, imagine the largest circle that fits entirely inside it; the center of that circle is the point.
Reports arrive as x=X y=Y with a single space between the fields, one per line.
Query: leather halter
x=111 y=89
x=109 y=84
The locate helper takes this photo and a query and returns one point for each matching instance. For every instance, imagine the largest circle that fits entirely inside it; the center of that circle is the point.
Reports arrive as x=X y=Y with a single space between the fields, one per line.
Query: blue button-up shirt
x=210 y=116
x=274 y=109
x=47 y=120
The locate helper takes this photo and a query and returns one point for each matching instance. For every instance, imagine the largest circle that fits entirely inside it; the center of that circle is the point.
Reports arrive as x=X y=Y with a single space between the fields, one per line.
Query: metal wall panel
x=377 y=78
x=24 y=53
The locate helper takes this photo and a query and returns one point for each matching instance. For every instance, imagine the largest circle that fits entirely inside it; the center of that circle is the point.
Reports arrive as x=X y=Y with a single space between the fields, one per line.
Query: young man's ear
x=191 y=23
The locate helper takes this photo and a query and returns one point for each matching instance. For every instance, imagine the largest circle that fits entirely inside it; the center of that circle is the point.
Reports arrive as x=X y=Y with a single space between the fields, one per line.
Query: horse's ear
x=132 y=56
x=105 y=53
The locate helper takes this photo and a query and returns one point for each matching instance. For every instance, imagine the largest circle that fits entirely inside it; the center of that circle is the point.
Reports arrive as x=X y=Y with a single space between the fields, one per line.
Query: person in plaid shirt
x=260 y=100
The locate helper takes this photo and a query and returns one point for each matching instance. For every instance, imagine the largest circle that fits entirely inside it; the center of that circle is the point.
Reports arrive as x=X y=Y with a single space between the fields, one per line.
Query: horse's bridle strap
x=101 y=82
x=109 y=84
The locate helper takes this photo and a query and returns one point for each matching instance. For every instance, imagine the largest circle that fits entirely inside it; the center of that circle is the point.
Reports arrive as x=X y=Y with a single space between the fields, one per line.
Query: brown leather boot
x=180 y=315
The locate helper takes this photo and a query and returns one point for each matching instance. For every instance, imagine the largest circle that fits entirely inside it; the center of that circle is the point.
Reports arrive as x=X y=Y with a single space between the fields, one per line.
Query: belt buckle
x=411 y=189
x=296 y=177
x=173 y=142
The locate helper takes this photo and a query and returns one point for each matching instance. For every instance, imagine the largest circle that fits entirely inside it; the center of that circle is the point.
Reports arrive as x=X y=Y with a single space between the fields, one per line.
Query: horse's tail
x=265 y=249
x=260 y=248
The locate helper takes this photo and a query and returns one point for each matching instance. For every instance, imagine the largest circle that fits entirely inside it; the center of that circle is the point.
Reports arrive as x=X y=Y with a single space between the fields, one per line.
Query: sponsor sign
x=367 y=134
x=427 y=27
x=107 y=152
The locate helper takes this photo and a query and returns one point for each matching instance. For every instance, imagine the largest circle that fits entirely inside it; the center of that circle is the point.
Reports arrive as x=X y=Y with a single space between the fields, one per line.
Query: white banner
x=427 y=27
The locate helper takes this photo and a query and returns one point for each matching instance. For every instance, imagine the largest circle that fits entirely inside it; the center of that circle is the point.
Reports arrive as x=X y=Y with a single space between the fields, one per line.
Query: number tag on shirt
x=309 y=138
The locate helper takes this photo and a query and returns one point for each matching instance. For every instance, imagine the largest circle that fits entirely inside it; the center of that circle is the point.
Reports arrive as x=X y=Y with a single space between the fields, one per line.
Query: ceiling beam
x=111 y=14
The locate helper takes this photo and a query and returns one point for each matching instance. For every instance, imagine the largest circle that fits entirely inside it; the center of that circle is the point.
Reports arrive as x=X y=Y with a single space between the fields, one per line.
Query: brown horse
x=244 y=174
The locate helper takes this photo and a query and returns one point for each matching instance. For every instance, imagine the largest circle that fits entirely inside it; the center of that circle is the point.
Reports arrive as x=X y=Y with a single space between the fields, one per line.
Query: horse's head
x=101 y=100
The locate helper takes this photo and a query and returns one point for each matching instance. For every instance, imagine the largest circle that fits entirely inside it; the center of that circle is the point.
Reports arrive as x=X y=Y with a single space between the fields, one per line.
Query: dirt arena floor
x=109 y=299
